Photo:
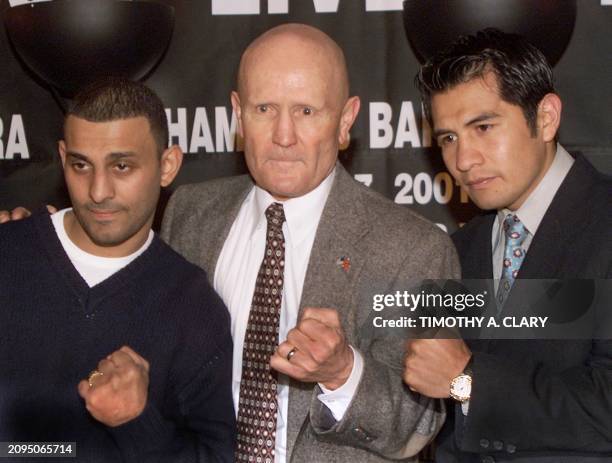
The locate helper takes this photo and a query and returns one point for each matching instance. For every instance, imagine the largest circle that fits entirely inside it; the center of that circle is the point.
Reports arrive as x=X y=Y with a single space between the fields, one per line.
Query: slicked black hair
x=523 y=74
x=113 y=98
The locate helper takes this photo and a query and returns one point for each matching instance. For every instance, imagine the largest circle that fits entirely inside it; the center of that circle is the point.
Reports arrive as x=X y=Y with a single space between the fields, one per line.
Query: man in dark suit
x=327 y=240
x=495 y=116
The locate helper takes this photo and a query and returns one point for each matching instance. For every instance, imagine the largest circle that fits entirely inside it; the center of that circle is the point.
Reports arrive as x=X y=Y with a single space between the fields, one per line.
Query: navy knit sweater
x=54 y=330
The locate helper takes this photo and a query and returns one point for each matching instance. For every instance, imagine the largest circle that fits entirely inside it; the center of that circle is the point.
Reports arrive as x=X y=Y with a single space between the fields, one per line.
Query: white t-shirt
x=93 y=269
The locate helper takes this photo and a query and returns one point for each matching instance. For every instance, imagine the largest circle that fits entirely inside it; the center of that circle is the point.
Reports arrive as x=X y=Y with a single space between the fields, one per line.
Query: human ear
x=238 y=111
x=171 y=161
x=347 y=119
x=549 y=116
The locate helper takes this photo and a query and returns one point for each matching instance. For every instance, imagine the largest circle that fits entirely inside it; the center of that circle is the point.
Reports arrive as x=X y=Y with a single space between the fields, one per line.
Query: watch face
x=461 y=388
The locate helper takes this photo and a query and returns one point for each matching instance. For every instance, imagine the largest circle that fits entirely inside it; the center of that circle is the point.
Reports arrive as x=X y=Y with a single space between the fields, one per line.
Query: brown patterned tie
x=257 y=403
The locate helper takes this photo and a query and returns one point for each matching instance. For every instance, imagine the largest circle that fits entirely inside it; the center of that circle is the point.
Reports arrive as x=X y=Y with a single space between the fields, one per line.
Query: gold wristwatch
x=461 y=385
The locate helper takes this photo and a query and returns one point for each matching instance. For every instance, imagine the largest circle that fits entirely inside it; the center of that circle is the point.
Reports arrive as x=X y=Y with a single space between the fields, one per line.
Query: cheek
x=321 y=142
x=450 y=161
x=256 y=132
x=78 y=186
x=140 y=187
x=252 y=158
x=255 y=147
x=321 y=156
x=519 y=160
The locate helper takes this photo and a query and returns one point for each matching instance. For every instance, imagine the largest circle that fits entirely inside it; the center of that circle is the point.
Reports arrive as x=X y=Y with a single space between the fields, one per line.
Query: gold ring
x=291 y=353
x=92 y=375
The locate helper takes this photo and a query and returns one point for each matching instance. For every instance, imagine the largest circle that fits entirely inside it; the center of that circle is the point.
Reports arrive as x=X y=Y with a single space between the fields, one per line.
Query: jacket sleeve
x=385 y=417
x=529 y=405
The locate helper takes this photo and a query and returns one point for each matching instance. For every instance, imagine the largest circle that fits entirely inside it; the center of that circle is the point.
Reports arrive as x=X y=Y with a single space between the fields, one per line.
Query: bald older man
x=291 y=249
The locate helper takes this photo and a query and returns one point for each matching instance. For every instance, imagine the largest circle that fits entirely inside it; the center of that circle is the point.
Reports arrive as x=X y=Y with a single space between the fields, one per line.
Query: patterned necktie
x=257 y=403
x=514 y=254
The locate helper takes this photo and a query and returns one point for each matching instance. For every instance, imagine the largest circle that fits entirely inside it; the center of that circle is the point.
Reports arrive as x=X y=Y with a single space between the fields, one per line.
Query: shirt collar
x=302 y=214
x=533 y=209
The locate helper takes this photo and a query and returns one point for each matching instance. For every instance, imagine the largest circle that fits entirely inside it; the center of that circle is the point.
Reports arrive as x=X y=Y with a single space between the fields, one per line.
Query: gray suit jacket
x=386 y=244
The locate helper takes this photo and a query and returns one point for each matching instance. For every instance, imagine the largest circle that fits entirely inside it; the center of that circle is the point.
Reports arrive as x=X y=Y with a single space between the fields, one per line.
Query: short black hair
x=112 y=98
x=523 y=74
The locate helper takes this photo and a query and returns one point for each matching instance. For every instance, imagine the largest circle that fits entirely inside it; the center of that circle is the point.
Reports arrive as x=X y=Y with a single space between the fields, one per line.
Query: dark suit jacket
x=541 y=400
x=388 y=246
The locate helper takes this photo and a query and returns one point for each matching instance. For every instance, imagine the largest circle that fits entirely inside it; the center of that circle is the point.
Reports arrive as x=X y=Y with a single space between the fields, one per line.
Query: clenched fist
x=117 y=392
x=431 y=364
x=321 y=352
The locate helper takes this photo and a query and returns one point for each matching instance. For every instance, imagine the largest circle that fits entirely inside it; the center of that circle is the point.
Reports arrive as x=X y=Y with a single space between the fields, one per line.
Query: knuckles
x=131 y=374
x=413 y=348
x=321 y=353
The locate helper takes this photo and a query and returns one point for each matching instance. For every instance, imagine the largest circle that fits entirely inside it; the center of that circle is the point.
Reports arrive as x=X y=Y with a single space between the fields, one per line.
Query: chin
x=283 y=195
x=107 y=239
x=488 y=204
x=104 y=234
x=285 y=189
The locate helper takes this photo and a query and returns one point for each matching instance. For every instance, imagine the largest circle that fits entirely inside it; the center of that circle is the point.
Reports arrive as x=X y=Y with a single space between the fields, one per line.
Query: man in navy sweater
x=110 y=340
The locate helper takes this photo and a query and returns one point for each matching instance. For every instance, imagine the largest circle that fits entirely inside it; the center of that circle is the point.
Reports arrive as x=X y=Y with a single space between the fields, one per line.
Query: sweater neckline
x=61 y=262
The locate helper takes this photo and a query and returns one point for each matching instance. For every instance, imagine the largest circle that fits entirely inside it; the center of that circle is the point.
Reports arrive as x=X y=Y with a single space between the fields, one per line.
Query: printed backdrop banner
x=390 y=149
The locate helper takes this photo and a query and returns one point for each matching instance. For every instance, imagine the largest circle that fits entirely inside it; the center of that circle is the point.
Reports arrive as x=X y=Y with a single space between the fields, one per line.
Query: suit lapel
x=561 y=225
x=328 y=283
x=563 y=221
x=476 y=256
x=477 y=263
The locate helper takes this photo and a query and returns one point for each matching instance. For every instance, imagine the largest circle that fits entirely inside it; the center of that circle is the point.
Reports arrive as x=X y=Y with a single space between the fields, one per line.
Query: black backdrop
x=390 y=147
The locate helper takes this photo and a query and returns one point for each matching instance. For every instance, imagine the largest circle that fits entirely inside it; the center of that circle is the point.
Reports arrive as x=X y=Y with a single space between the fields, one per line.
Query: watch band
x=468 y=366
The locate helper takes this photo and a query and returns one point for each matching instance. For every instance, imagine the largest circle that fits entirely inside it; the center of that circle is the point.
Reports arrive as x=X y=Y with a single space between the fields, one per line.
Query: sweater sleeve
x=205 y=431
x=190 y=415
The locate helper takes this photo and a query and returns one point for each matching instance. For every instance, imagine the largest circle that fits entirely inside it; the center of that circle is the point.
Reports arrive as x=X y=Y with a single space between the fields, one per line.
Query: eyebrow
x=480 y=118
x=114 y=156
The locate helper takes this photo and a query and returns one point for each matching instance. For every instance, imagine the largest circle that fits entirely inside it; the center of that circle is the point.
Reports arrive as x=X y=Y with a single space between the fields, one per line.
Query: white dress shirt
x=235 y=276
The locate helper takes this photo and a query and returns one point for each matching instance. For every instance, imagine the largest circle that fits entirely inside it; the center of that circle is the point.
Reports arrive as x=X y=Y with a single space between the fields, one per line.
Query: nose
x=101 y=187
x=467 y=155
x=284 y=130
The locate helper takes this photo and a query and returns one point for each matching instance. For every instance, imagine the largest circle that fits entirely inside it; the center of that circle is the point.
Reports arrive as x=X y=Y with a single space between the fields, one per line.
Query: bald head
x=297 y=45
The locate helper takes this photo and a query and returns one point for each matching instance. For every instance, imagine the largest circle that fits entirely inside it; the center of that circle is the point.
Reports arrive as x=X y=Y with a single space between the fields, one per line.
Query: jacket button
x=360 y=433
x=510 y=448
x=484 y=443
x=498 y=445
x=488 y=459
